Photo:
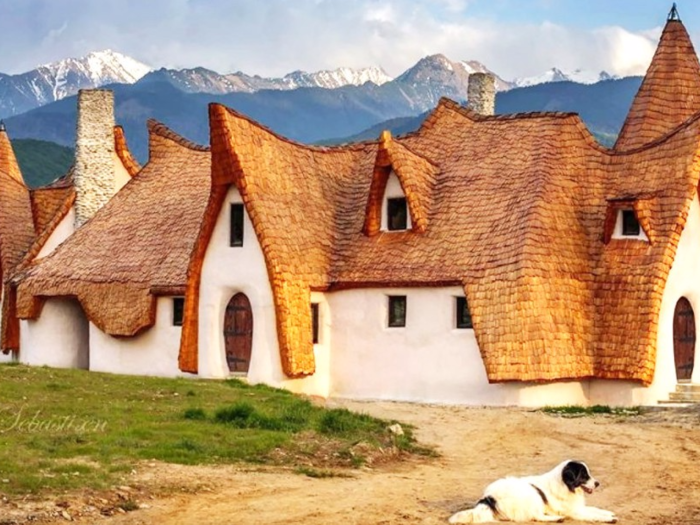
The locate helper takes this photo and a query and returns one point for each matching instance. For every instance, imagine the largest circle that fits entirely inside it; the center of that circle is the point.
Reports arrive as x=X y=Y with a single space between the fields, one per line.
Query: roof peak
x=673 y=13
x=2 y=125
x=670 y=92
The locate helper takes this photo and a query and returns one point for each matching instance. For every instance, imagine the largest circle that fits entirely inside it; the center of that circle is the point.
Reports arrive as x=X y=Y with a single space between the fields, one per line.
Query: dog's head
x=575 y=474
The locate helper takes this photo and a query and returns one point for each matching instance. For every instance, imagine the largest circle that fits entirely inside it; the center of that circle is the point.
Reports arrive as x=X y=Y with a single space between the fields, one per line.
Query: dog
x=554 y=496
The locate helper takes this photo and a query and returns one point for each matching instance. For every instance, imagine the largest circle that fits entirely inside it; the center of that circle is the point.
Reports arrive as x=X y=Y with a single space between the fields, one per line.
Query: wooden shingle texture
x=669 y=94
x=515 y=208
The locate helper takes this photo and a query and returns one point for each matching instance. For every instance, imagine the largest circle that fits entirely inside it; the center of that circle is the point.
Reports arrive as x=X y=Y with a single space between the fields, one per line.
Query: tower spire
x=673 y=14
x=670 y=92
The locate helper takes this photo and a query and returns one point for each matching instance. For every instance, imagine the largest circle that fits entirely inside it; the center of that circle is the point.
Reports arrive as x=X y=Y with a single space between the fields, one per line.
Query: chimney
x=481 y=93
x=93 y=174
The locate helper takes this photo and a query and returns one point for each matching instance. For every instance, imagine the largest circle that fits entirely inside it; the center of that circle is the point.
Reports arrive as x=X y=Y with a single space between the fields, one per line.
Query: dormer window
x=397 y=214
x=623 y=220
x=627 y=225
x=630 y=224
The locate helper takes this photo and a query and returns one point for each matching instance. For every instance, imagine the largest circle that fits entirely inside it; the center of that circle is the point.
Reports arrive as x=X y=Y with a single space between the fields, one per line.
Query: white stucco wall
x=429 y=360
x=227 y=271
x=121 y=176
x=64 y=230
x=393 y=190
x=58 y=338
x=153 y=352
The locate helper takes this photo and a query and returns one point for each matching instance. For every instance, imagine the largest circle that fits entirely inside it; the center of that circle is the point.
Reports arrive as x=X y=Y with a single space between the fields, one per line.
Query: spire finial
x=2 y=125
x=673 y=15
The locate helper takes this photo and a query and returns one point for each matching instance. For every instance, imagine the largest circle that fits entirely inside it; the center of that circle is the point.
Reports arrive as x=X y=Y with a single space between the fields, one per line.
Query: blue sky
x=634 y=15
x=273 y=37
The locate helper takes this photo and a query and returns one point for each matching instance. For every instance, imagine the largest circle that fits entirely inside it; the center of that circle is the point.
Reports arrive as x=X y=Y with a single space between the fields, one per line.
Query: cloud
x=273 y=37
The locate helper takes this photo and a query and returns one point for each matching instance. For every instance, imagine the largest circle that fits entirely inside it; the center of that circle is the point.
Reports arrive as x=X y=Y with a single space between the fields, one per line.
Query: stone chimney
x=93 y=173
x=481 y=93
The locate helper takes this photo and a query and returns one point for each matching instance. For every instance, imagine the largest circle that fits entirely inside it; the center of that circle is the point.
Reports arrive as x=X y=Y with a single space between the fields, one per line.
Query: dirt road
x=648 y=467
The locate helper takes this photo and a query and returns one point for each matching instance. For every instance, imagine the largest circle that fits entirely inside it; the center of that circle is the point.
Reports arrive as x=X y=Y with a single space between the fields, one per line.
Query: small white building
x=490 y=260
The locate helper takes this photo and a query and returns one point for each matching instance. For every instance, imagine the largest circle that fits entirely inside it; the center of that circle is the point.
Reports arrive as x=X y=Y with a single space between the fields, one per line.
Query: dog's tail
x=484 y=512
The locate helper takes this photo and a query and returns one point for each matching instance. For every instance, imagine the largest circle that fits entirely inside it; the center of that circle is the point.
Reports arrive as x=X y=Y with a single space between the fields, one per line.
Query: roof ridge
x=399 y=141
x=662 y=139
x=471 y=115
x=282 y=138
x=14 y=180
x=158 y=128
x=478 y=117
x=122 y=150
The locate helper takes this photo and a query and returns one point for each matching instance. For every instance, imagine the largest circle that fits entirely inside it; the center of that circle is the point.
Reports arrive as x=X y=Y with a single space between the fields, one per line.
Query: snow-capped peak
x=108 y=61
x=579 y=76
x=102 y=67
x=342 y=76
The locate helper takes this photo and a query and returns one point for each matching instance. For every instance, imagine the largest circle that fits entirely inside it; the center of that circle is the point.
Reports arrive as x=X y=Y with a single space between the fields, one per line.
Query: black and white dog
x=554 y=496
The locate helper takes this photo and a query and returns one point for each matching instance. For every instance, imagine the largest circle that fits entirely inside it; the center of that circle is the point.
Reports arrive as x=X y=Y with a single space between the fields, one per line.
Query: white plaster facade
x=121 y=176
x=64 y=230
x=153 y=352
x=230 y=270
x=58 y=338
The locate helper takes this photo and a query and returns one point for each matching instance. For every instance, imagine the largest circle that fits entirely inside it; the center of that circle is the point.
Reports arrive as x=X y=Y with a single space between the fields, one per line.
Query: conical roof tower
x=670 y=92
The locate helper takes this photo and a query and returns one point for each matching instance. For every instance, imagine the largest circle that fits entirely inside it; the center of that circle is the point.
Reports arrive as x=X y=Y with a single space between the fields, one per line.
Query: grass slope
x=67 y=429
x=40 y=161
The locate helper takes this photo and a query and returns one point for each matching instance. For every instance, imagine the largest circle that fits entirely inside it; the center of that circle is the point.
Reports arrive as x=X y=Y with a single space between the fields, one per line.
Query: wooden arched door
x=684 y=338
x=238 y=333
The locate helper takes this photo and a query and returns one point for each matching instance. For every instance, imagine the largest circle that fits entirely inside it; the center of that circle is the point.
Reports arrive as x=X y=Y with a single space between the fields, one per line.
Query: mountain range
x=52 y=82
x=323 y=106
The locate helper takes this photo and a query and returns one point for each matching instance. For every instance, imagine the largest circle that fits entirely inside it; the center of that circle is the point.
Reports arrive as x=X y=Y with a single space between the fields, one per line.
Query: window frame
x=626 y=216
x=394 y=321
x=316 y=323
x=461 y=323
x=236 y=240
x=405 y=222
x=178 y=311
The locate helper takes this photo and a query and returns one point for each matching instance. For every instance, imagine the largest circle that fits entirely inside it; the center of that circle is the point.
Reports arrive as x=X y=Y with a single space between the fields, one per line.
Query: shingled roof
x=16 y=221
x=516 y=210
x=670 y=92
x=137 y=245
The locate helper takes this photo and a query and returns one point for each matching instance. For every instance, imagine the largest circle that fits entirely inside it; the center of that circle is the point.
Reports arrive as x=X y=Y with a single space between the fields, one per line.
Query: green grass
x=581 y=411
x=65 y=429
